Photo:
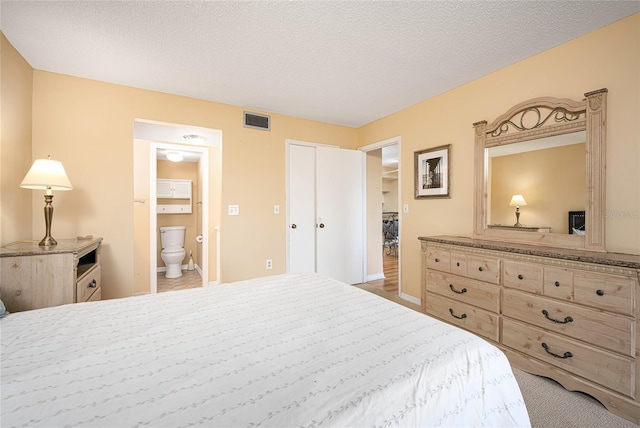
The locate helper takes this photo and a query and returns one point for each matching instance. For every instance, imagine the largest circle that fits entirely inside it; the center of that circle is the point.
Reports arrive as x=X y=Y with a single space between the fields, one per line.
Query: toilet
x=172 y=238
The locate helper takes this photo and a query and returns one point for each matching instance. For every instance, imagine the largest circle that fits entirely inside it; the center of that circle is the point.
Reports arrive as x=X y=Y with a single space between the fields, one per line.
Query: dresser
x=568 y=315
x=33 y=277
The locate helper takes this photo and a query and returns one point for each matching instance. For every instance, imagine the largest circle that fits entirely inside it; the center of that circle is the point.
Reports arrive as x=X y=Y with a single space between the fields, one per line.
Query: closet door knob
x=321 y=225
x=293 y=226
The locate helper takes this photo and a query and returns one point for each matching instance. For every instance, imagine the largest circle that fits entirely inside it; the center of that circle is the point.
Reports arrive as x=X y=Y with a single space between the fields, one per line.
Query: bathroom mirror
x=550 y=152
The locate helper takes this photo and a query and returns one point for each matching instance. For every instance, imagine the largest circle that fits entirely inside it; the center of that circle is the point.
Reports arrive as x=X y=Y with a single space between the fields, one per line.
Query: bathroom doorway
x=179 y=221
x=201 y=148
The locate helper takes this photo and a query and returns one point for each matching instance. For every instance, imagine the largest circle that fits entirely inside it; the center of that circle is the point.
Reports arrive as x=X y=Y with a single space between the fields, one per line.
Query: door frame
x=289 y=142
x=375 y=146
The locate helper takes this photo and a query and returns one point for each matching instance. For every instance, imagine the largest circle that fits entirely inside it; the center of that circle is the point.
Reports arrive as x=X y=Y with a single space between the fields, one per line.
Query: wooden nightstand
x=33 y=277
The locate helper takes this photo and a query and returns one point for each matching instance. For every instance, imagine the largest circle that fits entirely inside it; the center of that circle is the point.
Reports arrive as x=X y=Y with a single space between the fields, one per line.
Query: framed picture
x=576 y=223
x=432 y=172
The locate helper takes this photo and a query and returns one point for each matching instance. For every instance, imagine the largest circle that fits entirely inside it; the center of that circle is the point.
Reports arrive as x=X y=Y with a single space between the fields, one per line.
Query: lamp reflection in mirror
x=47 y=175
x=516 y=201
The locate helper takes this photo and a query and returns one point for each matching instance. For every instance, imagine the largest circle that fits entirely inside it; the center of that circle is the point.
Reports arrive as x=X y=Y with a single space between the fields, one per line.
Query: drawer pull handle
x=480 y=269
x=566 y=320
x=464 y=290
x=461 y=317
x=566 y=354
x=600 y=293
x=92 y=284
x=520 y=276
x=557 y=284
x=437 y=260
x=458 y=264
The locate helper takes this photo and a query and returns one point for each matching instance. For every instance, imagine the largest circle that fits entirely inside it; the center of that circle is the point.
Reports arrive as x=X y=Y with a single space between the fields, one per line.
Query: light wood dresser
x=33 y=277
x=568 y=315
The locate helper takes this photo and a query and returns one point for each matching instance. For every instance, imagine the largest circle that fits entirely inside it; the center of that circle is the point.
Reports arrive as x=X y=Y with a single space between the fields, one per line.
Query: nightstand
x=33 y=277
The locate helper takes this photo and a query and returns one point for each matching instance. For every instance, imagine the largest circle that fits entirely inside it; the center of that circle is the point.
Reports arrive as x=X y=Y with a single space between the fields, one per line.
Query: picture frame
x=576 y=223
x=432 y=172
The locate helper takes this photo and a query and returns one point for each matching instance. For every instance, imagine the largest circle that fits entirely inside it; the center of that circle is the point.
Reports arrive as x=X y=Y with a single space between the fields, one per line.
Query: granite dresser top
x=604 y=258
x=31 y=248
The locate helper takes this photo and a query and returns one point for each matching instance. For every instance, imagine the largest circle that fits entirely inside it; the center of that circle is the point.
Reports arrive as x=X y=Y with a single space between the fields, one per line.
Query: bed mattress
x=286 y=350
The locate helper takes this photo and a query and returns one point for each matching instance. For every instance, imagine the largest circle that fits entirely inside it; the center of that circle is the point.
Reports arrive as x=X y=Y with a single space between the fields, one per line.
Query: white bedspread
x=289 y=350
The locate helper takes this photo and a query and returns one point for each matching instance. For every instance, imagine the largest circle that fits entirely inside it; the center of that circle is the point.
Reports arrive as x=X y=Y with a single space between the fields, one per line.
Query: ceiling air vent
x=257 y=121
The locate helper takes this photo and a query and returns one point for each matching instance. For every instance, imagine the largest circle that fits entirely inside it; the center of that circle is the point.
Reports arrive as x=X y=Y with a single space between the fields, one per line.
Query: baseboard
x=375 y=277
x=411 y=299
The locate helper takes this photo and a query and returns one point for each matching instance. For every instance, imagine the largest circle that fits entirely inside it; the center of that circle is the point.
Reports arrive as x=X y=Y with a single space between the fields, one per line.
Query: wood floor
x=390 y=282
x=189 y=279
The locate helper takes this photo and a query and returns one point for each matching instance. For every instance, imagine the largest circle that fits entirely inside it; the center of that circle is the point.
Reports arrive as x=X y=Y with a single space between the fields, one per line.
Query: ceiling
x=342 y=62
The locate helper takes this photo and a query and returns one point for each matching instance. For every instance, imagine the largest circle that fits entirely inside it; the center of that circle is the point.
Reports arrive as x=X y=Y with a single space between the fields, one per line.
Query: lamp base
x=517 y=218
x=48 y=241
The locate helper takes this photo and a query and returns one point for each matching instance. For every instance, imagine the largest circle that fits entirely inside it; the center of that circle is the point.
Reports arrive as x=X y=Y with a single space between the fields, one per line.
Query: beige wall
x=551 y=182
x=608 y=57
x=88 y=125
x=15 y=146
x=390 y=196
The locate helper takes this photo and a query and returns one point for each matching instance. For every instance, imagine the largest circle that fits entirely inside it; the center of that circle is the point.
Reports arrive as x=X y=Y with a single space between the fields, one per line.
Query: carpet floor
x=552 y=406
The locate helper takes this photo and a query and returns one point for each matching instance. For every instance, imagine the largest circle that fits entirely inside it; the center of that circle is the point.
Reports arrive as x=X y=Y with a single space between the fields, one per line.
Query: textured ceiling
x=346 y=63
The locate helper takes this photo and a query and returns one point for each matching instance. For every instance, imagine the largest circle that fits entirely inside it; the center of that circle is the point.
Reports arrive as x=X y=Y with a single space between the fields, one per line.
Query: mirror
x=540 y=173
x=547 y=172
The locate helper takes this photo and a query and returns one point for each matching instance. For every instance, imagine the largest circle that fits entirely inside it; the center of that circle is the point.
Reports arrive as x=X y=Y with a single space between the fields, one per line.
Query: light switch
x=405 y=208
x=234 y=209
x=276 y=209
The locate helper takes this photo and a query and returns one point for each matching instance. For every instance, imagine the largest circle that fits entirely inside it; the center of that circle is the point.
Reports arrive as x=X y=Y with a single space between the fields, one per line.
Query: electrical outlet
x=269 y=264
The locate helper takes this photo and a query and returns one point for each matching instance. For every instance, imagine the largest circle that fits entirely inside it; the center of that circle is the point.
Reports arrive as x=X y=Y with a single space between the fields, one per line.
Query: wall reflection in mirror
x=549 y=173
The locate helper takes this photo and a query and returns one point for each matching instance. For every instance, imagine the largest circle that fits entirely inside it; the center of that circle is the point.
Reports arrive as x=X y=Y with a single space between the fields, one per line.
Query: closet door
x=302 y=201
x=334 y=212
x=339 y=211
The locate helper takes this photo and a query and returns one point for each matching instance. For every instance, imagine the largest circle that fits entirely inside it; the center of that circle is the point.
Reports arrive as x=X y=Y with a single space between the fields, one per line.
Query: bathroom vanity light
x=48 y=175
x=516 y=201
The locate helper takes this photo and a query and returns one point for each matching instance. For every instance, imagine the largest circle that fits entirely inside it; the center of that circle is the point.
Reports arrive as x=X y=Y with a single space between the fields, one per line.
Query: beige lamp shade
x=517 y=201
x=46 y=174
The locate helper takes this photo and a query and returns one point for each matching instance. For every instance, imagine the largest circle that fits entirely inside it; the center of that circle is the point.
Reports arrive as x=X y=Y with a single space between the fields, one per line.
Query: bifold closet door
x=328 y=236
x=302 y=209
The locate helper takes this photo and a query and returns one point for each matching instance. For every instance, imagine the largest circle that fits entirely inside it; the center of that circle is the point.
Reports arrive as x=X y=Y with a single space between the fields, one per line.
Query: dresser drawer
x=88 y=285
x=604 y=329
x=481 y=294
x=607 y=292
x=458 y=263
x=471 y=318
x=558 y=283
x=523 y=276
x=606 y=368
x=484 y=268
x=437 y=259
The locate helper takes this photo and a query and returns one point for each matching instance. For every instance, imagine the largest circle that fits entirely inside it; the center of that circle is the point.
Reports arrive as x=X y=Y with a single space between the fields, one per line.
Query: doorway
x=202 y=147
x=384 y=215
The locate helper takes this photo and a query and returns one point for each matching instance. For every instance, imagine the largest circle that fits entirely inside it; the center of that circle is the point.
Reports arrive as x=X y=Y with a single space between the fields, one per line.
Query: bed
x=286 y=350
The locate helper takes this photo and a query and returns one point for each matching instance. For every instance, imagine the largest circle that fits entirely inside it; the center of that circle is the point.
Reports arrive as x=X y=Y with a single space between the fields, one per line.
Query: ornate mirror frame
x=540 y=118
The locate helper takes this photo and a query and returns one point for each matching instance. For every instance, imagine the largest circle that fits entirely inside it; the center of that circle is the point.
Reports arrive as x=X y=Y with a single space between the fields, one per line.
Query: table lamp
x=516 y=201
x=48 y=175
